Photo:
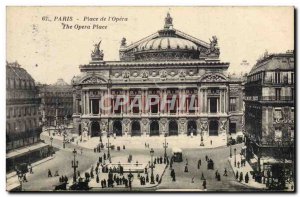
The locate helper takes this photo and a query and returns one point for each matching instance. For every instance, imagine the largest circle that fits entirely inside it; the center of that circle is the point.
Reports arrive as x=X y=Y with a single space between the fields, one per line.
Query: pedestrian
x=237 y=175
x=202 y=176
x=241 y=177
x=247 y=178
x=199 y=164
x=147 y=178
x=97 y=178
x=186 y=168
x=225 y=172
x=210 y=142
x=193 y=179
x=206 y=158
x=49 y=173
x=78 y=173
x=104 y=156
x=216 y=174
x=56 y=173
x=157 y=178
x=204 y=184
x=24 y=178
x=66 y=179
x=219 y=177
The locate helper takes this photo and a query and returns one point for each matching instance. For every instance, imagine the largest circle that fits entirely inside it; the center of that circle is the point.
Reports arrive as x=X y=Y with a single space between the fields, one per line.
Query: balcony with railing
x=270 y=98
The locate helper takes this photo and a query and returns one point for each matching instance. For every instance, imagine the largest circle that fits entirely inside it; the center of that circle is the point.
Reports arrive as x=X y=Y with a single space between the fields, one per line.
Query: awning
x=22 y=151
x=271 y=160
x=176 y=150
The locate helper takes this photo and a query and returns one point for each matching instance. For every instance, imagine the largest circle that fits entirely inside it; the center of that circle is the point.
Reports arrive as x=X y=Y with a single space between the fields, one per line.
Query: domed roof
x=169 y=44
x=162 y=43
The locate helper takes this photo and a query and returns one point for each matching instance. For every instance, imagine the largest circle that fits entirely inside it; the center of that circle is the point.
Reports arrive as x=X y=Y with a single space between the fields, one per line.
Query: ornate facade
x=56 y=102
x=23 y=130
x=270 y=113
x=174 y=67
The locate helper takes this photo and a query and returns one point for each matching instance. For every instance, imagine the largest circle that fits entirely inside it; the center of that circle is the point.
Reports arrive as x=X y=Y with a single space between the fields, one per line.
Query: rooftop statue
x=213 y=49
x=168 y=21
x=97 y=54
x=123 y=42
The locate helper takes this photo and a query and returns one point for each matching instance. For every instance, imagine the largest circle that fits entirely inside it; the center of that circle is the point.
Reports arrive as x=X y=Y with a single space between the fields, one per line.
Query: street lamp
x=230 y=151
x=51 y=140
x=152 y=166
x=64 y=140
x=234 y=157
x=201 y=135
x=108 y=146
x=165 y=145
x=74 y=165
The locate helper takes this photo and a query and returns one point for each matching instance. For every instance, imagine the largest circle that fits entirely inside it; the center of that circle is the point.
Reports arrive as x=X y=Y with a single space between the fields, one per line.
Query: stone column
x=87 y=102
x=146 y=101
x=91 y=106
x=143 y=101
x=226 y=100
x=83 y=97
x=199 y=106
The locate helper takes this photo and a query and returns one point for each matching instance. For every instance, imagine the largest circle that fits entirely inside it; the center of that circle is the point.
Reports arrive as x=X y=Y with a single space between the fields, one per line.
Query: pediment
x=93 y=80
x=213 y=77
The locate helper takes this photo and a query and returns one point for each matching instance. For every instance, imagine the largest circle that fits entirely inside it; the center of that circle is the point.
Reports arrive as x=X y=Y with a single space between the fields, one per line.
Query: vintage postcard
x=150 y=99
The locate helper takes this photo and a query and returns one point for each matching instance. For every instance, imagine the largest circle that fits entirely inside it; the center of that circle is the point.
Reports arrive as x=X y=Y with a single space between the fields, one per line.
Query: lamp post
x=234 y=157
x=64 y=141
x=165 y=145
x=152 y=166
x=230 y=154
x=201 y=135
x=74 y=165
x=108 y=146
x=51 y=140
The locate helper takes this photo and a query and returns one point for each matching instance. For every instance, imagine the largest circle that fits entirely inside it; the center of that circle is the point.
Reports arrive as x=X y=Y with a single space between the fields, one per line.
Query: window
x=277 y=93
x=232 y=106
x=277 y=114
x=213 y=104
x=232 y=127
x=277 y=77
x=292 y=114
x=292 y=78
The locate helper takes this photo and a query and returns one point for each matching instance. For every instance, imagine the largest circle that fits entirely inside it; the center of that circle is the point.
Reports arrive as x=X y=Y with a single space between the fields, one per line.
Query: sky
x=48 y=52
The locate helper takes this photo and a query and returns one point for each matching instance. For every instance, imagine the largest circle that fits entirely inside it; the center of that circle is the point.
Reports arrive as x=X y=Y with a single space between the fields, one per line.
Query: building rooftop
x=271 y=62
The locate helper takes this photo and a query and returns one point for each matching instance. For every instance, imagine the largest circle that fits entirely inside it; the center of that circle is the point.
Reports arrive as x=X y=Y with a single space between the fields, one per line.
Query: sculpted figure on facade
x=223 y=126
x=144 y=122
x=163 y=74
x=163 y=124
x=145 y=74
x=204 y=126
x=126 y=124
x=126 y=74
x=182 y=125
x=104 y=126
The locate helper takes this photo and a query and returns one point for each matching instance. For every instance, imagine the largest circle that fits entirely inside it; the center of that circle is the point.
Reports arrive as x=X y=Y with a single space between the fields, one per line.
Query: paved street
x=63 y=157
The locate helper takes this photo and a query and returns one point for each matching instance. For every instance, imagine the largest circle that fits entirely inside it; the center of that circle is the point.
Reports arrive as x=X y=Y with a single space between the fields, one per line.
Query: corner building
x=167 y=64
